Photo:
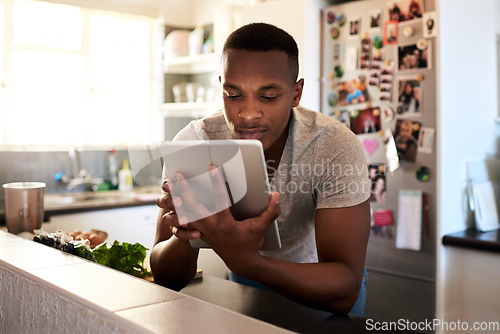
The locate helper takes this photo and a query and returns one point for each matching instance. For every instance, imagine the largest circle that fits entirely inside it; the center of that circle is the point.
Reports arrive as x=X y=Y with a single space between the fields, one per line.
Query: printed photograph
x=405 y=10
x=354 y=27
x=342 y=116
x=375 y=19
x=409 y=98
x=353 y=91
x=410 y=57
x=378 y=188
x=366 y=121
x=406 y=136
x=390 y=33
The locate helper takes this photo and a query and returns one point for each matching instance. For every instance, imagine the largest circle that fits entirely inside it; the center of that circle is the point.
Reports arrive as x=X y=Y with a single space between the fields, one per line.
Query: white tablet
x=243 y=167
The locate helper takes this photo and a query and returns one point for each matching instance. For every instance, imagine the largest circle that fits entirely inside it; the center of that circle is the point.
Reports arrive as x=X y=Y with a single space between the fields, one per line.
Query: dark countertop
x=271 y=307
x=474 y=239
x=275 y=309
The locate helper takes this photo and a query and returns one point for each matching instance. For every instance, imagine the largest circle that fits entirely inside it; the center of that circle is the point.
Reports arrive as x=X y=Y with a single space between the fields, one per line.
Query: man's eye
x=232 y=96
x=269 y=97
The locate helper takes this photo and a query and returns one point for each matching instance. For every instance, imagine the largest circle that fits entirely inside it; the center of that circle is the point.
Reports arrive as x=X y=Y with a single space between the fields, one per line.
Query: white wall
x=468 y=89
x=468 y=97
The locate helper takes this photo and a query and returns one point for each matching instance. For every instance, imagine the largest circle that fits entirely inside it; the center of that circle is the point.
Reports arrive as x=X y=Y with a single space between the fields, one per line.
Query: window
x=72 y=76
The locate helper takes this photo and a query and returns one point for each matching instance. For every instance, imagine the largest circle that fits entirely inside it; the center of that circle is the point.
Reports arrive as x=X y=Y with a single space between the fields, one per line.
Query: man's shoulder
x=311 y=123
x=215 y=126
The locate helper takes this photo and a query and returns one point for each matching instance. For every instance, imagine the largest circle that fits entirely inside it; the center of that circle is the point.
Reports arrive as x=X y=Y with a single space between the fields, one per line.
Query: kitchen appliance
x=359 y=41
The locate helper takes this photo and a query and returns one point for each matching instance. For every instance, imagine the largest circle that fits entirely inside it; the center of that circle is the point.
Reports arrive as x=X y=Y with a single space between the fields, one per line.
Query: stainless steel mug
x=23 y=206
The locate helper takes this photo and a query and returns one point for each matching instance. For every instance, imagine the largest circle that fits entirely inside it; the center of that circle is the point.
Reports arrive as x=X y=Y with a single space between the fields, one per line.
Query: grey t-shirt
x=322 y=166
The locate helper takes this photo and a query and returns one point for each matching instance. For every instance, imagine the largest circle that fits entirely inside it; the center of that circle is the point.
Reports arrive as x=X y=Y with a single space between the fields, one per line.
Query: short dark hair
x=265 y=37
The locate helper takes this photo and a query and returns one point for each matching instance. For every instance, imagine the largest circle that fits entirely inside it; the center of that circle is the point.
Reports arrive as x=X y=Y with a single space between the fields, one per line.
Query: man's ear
x=297 y=92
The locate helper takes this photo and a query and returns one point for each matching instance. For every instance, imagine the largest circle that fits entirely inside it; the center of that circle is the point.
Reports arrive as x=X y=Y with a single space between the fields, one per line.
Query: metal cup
x=24 y=206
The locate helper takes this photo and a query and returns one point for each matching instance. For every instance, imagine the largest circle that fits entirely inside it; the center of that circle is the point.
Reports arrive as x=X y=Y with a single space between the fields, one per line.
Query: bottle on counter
x=112 y=170
x=125 y=179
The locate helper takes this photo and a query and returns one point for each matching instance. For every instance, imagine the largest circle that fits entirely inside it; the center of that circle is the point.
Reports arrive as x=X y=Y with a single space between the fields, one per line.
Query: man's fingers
x=273 y=208
x=190 y=206
x=184 y=234
x=220 y=196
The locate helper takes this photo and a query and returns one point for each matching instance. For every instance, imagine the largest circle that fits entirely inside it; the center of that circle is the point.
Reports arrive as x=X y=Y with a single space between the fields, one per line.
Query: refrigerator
x=378 y=76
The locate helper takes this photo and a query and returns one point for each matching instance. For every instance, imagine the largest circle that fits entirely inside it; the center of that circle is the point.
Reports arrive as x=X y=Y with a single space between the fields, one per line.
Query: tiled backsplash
x=42 y=166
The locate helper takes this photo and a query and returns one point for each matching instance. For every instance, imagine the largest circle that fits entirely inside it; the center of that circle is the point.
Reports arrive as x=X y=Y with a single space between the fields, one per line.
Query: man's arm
x=173 y=260
x=334 y=282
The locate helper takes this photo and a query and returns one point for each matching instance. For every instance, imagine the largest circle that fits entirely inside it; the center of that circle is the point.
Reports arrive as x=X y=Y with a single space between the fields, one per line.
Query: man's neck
x=273 y=153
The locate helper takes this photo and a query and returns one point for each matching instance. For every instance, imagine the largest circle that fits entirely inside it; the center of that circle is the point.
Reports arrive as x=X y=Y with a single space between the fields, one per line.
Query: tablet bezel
x=256 y=198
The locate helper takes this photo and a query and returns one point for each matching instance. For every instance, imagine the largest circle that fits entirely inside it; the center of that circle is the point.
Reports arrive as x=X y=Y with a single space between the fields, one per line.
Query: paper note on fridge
x=409 y=229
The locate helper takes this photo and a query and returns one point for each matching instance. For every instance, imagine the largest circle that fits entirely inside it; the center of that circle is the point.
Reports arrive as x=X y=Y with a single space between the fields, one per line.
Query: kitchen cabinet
x=132 y=224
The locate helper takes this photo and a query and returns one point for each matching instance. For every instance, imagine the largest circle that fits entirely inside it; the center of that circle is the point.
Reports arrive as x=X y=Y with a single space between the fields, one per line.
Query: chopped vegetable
x=125 y=257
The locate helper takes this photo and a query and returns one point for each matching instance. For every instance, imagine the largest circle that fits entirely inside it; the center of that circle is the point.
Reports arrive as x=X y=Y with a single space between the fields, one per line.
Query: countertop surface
x=271 y=307
x=474 y=239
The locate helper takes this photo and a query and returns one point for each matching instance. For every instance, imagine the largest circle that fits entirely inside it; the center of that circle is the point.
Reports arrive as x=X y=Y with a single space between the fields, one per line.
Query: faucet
x=80 y=176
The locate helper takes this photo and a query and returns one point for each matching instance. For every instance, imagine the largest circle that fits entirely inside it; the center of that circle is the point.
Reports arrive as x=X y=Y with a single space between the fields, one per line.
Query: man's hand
x=236 y=242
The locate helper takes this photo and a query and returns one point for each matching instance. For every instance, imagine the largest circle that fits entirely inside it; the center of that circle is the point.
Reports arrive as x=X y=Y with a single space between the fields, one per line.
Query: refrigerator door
x=362 y=47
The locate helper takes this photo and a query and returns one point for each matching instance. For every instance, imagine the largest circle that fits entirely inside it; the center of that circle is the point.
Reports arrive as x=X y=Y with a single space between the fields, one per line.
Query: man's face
x=259 y=91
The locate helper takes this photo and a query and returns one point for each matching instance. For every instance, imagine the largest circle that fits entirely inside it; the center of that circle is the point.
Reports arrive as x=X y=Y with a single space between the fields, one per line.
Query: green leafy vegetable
x=125 y=257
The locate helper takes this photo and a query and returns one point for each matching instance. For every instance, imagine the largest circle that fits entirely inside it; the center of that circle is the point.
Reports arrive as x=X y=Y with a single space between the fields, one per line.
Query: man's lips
x=251 y=133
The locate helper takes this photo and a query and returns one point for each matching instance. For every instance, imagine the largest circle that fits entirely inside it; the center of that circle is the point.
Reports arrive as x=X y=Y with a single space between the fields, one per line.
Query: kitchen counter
x=271 y=307
x=474 y=239
x=64 y=203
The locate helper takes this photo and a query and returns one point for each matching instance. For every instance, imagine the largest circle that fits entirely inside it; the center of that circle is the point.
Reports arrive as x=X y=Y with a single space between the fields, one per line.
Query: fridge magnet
x=387 y=114
x=366 y=121
x=341 y=20
x=376 y=173
x=334 y=33
x=429 y=24
x=342 y=116
x=351 y=58
x=338 y=51
x=407 y=133
x=332 y=99
x=390 y=35
x=408 y=31
x=422 y=44
x=426 y=140
x=339 y=71
x=378 y=43
x=405 y=10
x=330 y=17
x=365 y=54
x=409 y=98
x=375 y=19
x=422 y=173
x=354 y=27
x=353 y=91
x=410 y=57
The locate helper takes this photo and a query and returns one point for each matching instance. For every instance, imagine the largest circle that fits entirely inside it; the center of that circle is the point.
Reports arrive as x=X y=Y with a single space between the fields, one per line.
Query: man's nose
x=250 y=112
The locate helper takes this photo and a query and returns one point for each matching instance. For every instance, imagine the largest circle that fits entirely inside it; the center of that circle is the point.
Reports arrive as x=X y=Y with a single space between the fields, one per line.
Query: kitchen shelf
x=203 y=63
x=190 y=109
